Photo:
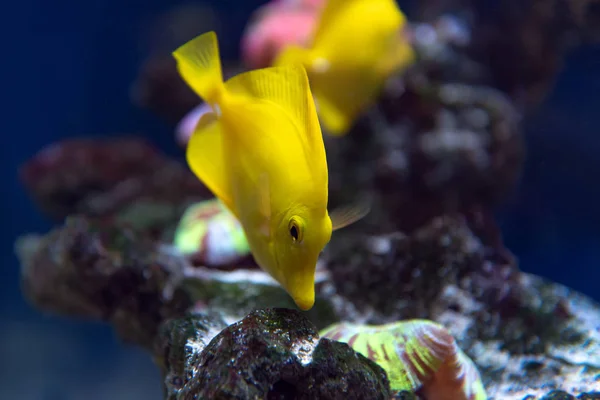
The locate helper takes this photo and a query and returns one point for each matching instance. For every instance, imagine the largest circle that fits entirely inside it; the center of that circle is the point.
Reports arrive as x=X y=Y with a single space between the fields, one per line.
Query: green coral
x=197 y=221
x=416 y=354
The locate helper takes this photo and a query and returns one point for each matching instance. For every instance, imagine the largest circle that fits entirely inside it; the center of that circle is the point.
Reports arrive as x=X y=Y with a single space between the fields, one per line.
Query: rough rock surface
x=276 y=354
x=526 y=335
x=60 y=176
x=529 y=358
x=124 y=178
x=179 y=346
x=390 y=277
x=561 y=395
x=105 y=272
x=524 y=342
x=537 y=33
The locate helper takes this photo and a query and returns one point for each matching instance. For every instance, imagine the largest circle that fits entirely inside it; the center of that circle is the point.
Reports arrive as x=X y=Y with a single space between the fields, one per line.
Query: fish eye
x=295 y=230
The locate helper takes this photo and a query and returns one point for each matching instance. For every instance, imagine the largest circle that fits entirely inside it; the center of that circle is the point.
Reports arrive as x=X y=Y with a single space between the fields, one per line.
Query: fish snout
x=301 y=287
x=305 y=300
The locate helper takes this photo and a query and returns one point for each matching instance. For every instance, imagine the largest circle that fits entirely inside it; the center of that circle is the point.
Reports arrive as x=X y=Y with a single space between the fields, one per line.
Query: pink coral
x=276 y=25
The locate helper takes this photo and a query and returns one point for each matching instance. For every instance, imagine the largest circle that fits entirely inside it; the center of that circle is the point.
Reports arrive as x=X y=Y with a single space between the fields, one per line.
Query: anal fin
x=205 y=157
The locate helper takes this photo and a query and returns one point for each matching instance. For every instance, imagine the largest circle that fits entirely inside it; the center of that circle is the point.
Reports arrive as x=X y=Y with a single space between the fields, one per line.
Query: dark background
x=67 y=69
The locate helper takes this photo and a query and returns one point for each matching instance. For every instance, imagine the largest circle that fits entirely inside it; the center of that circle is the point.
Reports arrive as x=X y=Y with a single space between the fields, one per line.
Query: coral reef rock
x=179 y=346
x=270 y=354
x=61 y=175
x=564 y=354
x=428 y=150
x=390 y=277
x=123 y=178
x=525 y=335
x=536 y=33
x=106 y=272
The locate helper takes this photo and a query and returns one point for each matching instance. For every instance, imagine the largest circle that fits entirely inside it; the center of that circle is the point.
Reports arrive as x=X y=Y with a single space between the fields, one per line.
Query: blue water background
x=66 y=71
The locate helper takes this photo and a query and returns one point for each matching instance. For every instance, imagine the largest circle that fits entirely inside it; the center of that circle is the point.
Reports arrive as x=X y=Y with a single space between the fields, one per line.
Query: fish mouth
x=302 y=302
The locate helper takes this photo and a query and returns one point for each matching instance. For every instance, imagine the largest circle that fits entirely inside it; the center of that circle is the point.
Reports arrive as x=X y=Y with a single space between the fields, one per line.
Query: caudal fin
x=199 y=65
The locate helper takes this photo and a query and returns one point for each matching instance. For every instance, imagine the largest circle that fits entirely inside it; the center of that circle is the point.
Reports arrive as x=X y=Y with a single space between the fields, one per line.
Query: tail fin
x=199 y=65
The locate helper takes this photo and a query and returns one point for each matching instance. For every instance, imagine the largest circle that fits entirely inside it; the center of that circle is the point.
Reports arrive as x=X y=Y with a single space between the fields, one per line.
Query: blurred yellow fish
x=261 y=152
x=356 y=46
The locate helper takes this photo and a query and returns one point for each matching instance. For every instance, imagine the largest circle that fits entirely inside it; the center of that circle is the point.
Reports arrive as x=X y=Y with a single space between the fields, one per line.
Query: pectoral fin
x=346 y=215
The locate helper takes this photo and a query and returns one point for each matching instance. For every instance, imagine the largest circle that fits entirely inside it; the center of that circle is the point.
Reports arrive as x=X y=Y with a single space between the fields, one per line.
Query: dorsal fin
x=287 y=87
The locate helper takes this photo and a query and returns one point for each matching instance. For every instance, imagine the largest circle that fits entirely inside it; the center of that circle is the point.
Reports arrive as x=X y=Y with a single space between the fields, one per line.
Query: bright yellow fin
x=346 y=215
x=286 y=87
x=399 y=56
x=334 y=119
x=293 y=55
x=199 y=65
x=205 y=158
x=328 y=14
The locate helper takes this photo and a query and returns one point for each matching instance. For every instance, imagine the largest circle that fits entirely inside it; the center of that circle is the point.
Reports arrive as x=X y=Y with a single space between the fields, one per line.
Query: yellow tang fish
x=261 y=152
x=356 y=46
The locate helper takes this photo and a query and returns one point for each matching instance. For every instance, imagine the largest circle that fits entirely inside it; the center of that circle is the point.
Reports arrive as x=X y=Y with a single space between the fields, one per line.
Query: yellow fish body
x=261 y=153
x=357 y=44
